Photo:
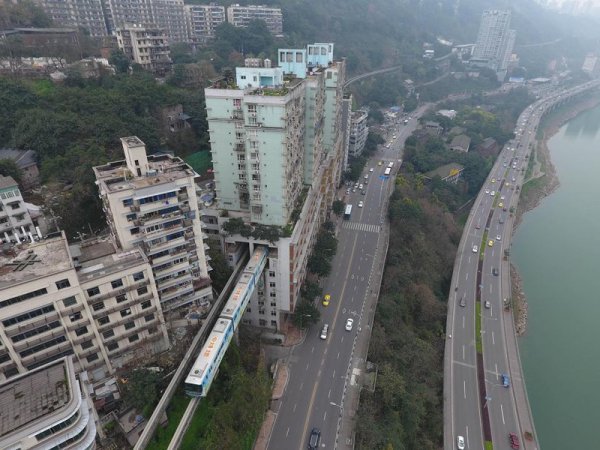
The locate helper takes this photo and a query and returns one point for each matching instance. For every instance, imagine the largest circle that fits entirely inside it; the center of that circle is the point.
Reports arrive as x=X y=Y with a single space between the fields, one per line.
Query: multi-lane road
x=478 y=407
x=321 y=370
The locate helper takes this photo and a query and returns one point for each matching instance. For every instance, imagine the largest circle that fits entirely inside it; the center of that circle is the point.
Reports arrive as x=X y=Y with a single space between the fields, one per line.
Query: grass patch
x=483 y=244
x=530 y=163
x=198 y=423
x=478 y=340
x=489 y=445
x=175 y=411
x=200 y=161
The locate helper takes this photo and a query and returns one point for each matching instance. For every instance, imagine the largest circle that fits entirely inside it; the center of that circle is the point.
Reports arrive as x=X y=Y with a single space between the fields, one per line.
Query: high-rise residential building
x=119 y=13
x=241 y=16
x=146 y=46
x=150 y=203
x=88 y=14
x=495 y=42
x=275 y=137
x=47 y=408
x=359 y=132
x=15 y=221
x=87 y=300
x=346 y=122
x=202 y=21
x=169 y=16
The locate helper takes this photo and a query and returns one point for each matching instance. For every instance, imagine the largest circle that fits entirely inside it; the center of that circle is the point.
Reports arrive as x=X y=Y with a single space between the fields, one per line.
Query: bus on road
x=348 y=212
x=387 y=171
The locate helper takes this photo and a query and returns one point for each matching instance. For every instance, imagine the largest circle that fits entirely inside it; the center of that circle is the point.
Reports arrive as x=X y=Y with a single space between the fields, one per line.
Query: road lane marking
x=465 y=388
x=287 y=432
x=338 y=356
x=463 y=321
x=463 y=351
x=301 y=385
x=329 y=394
x=502 y=412
x=493 y=340
x=294 y=409
x=333 y=373
x=313 y=349
x=324 y=416
x=467 y=276
x=467 y=435
x=496 y=365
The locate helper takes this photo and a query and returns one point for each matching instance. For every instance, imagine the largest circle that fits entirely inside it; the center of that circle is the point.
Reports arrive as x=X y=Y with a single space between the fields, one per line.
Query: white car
x=360 y=186
x=460 y=443
x=349 y=324
x=493 y=193
x=371 y=169
x=324 y=331
x=475 y=249
x=487 y=304
x=487 y=191
x=498 y=237
x=360 y=204
x=502 y=197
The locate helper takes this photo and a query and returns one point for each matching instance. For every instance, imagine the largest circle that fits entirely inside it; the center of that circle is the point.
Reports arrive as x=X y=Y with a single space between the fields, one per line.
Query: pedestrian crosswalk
x=362 y=227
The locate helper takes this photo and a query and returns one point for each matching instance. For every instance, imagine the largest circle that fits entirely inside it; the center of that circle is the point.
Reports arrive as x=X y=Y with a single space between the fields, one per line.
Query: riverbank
x=542 y=182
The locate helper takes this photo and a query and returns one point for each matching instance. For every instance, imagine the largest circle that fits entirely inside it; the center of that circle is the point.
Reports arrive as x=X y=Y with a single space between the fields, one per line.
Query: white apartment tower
x=150 y=203
x=88 y=300
x=202 y=20
x=495 y=41
x=359 y=131
x=241 y=16
x=276 y=167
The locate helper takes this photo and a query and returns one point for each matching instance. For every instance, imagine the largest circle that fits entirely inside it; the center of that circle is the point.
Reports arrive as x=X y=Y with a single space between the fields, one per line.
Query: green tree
x=9 y=168
x=141 y=390
x=310 y=290
x=338 y=207
x=221 y=270
x=119 y=60
x=319 y=264
x=306 y=314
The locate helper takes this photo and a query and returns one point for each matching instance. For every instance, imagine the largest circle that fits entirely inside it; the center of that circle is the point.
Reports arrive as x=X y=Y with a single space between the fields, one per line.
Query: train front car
x=206 y=366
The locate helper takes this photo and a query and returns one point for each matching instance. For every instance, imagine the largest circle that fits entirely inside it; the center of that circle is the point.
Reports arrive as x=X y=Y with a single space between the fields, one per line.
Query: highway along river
x=557 y=252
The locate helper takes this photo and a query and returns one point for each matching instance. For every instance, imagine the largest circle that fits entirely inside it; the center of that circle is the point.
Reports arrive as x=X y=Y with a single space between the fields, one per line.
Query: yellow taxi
x=490 y=243
x=380 y=163
x=500 y=205
x=326 y=300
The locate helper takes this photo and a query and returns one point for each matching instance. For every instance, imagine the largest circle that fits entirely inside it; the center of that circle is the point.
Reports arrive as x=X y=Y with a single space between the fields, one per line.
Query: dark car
x=314 y=439
x=495 y=272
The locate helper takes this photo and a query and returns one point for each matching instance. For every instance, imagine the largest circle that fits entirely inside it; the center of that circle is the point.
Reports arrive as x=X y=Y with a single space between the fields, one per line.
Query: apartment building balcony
x=201 y=283
x=5 y=360
x=183 y=196
x=120 y=291
x=178 y=301
x=155 y=219
x=122 y=305
x=185 y=277
x=173 y=254
x=17 y=328
x=122 y=321
x=38 y=338
x=158 y=205
x=175 y=291
x=167 y=268
x=163 y=245
x=84 y=321
x=88 y=351
x=129 y=333
x=46 y=353
x=5 y=226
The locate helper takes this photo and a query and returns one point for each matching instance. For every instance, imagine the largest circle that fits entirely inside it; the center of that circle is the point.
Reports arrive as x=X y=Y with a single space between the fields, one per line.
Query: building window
x=62 y=284
x=92 y=358
x=272 y=294
x=149 y=317
x=152 y=330
x=103 y=320
x=146 y=305
x=134 y=231
x=261 y=312
x=93 y=291
x=28 y=315
x=138 y=276
x=98 y=306
x=272 y=284
x=128 y=202
x=129 y=325
x=69 y=301
x=262 y=322
x=87 y=344
x=81 y=331
x=143 y=290
x=271 y=273
x=273 y=323
x=75 y=316
x=108 y=334
x=273 y=313
x=134 y=338
x=125 y=312
x=273 y=304
x=121 y=298
x=116 y=283
x=112 y=347
x=248 y=310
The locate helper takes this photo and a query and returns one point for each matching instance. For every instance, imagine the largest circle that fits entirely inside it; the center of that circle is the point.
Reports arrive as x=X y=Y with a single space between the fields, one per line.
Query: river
x=557 y=252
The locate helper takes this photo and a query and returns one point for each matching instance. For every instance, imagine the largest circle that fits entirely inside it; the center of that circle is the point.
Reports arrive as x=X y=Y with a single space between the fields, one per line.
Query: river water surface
x=557 y=252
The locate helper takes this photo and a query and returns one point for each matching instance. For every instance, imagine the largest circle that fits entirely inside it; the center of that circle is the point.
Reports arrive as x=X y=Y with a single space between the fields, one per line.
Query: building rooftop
x=22 y=158
x=33 y=395
x=96 y=259
x=462 y=142
x=161 y=169
x=6 y=182
x=28 y=261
